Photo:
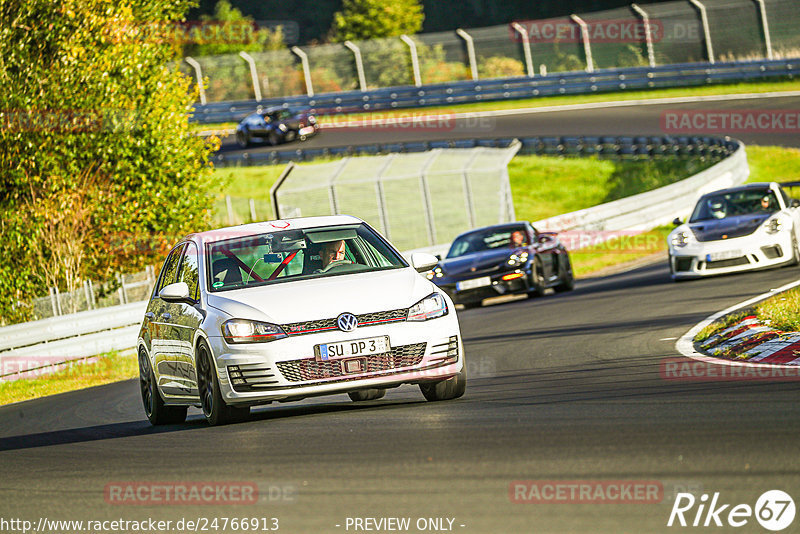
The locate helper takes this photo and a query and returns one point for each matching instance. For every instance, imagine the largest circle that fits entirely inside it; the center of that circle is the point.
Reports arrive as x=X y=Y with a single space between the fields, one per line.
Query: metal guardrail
x=600 y=146
x=566 y=83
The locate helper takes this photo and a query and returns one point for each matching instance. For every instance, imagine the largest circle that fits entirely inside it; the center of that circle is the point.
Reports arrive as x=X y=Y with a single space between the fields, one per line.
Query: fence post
x=121 y=290
x=706 y=32
x=91 y=293
x=198 y=72
x=253 y=74
x=332 y=186
x=273 y=191
x=381 y=196
x=526 y=47
x=414 y=59
x=473 y=64
x=587 y=46
x=426 y=196
x=306 y=69
x=762 y=9
x=53 y=304
x=58 y=300
x=88 y=295
x=253 y=217
x=467 y=189
x=362 y=81
x=229 y=205
x=648 y=37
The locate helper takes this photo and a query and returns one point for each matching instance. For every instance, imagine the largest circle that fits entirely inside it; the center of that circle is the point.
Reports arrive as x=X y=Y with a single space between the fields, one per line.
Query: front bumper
x=286 y=369
x=751 y=252
x=496 y=286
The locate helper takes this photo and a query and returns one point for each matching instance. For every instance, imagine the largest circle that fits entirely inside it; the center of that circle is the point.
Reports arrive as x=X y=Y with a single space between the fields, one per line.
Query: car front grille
x=366 y=319
x=251 y=377
x=683 y=263
x=772 y=252
x=721 y=264
x=311 y=369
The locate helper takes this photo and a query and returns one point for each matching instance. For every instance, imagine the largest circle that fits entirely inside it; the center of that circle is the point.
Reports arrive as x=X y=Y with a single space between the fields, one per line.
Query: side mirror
x=422 y=261
x=677 y=221
x=438 y=257
x=795 y=203
x=177 y=292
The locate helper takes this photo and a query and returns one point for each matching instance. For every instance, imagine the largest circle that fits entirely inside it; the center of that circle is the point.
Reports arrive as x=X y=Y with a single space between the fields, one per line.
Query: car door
x=160 y=313
x=185 y=322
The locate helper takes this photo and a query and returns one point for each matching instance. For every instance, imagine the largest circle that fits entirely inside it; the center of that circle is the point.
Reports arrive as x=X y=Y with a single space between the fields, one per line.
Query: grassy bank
x=105 y=369
x=782 y=311
x=564 y=100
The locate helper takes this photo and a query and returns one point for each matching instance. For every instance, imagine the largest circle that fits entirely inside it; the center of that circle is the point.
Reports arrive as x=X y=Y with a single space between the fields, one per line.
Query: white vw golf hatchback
x=289 y=309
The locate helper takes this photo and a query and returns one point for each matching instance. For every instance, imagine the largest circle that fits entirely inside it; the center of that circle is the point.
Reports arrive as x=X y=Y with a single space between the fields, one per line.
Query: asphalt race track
x=629 y=120
x=563 y=388
x=566 y=387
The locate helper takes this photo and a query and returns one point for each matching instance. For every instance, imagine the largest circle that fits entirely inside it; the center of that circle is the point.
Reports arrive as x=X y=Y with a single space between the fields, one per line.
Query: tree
x=99 y=171
x=372 y=19
x=227 y=31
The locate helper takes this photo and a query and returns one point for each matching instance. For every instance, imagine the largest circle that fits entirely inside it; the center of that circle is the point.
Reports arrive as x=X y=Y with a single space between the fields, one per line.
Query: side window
x=188 y=271
x=170 y=268
x=786 y=200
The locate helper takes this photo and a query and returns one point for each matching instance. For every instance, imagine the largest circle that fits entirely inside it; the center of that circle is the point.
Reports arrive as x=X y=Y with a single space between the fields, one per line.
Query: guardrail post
x=648 y=37
x=198 y=73
x=362 y=81
x=473 y=63
x=306 y=69
x=587 y=47
x=706 y=32
x=762 y=9
x=414 y=58
x=253 y=74
x=526 y=47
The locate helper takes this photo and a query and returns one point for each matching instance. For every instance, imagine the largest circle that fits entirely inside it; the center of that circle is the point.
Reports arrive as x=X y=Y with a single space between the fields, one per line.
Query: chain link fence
x=735 y=30
x=415 y=199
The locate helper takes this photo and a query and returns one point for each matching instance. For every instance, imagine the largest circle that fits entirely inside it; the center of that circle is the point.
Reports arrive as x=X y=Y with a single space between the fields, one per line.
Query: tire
x=215 y=409
x=274 y=138
x=290 y=136
x=366 y=394
x=242 y=139
x=449 y=389
x=567 y=278
x=157 y=413
x=537 y=279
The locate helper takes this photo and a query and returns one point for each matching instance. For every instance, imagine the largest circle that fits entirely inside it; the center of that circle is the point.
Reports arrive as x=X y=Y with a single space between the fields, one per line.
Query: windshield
x=734 y=203
x=488 y=239
x=297 y=254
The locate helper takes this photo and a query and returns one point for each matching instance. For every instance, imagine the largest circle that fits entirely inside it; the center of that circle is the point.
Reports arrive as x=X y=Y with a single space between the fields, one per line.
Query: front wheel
x=367 y=394
x=242 y=139
x=155 y=409
x=452 y=388
x=567 y=282
x=795 y=251
x=536 y=279
x=215 y=409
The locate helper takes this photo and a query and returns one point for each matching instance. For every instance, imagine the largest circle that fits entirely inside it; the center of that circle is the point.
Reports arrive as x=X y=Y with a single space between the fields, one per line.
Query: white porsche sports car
x=753 y=226
x=284 y=310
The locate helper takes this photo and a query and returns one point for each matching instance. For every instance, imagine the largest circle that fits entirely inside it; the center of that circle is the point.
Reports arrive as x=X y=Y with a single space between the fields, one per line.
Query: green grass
x=782 y=311
x=108 y=368
x=721 y=324
x=773 y=163
x=544 y=101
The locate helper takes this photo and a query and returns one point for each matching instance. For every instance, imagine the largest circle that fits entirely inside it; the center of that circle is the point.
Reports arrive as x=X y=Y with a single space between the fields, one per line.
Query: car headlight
x=774 y=225
x=680 y=239
x=517 y=259
x=430 y=307
x=282 y=127
x=245 y=331
x=434 y=273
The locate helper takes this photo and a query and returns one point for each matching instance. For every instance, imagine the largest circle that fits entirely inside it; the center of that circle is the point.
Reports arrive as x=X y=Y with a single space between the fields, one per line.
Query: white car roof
x=257 y=228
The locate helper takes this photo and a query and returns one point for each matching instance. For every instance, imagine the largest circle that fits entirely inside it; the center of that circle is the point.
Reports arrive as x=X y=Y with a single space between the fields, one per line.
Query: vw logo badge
x=347 y=322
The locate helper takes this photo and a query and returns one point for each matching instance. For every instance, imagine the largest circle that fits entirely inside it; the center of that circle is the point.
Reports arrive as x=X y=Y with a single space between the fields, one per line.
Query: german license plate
x=475 y=282
x=348 y=349
x=724 y=255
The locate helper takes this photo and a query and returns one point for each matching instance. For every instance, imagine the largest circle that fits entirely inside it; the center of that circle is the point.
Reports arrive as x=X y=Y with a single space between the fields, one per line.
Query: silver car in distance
x=290 y=309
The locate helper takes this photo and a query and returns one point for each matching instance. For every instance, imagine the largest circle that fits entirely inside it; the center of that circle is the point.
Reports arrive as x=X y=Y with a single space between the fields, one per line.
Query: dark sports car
x=503 y=259
x=276 y=126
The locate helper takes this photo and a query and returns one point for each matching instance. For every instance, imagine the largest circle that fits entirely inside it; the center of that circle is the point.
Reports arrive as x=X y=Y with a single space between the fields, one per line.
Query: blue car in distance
x=276 y=125
x=511 y=258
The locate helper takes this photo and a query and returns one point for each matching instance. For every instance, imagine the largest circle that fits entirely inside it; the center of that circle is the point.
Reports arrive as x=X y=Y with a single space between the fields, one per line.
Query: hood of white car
x=325 y=298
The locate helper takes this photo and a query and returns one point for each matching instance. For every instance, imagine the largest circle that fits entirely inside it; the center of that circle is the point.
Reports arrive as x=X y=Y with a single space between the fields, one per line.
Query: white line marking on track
x=685 y=344
x=668 y=338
